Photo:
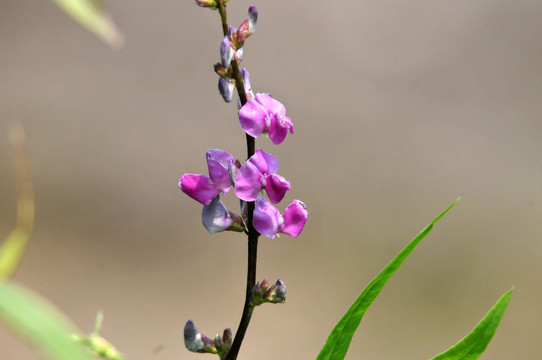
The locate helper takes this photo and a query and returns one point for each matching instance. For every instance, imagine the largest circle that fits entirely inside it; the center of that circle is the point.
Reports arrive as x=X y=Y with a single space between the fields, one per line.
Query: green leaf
x=37 y=322
x=92 y=15
x=13 y=248
x=340 y=337
x=474 y=344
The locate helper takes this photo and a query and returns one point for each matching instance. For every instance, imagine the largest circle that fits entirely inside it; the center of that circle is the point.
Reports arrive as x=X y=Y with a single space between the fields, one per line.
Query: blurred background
x=399 y=108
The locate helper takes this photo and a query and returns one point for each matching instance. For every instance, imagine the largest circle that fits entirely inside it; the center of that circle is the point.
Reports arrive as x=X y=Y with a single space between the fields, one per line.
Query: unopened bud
x=227 y=50
x=278 y=294
x=192 y=338
x=227 y=337
x=226 y=87
x=207 y=3
x=247 y=27
x=262 y=293
x=223 y=73
x=196 y=341
x=252 y=18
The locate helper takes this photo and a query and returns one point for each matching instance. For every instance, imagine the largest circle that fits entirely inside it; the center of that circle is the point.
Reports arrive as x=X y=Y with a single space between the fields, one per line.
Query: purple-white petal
x=248 y=182
x=276 y=187
x=215 y=216
x=267 y=218
x=295 y=216
x=199 y=187
x=219 y=163
x=279 y=128
x=246 y=82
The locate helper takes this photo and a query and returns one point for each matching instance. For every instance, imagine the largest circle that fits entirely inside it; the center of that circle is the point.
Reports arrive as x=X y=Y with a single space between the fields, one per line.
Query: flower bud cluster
x=231 y=49
x=263 y=293
x=198 y=342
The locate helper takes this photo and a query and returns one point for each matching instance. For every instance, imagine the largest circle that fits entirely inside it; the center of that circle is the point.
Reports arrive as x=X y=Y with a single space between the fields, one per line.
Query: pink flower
x=268 y=221
x=204 y=188
x=263 y=114
x=258 y=173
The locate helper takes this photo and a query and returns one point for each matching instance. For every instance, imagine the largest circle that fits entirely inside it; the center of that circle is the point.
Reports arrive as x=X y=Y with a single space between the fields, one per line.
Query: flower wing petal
x=295 y=216
x=199 y=187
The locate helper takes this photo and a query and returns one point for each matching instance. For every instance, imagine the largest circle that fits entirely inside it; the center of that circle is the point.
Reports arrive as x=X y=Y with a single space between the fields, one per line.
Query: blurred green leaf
x=474 y=344
x=12 y=249
x=36 y=321
x=92 y=15
x=339 y=339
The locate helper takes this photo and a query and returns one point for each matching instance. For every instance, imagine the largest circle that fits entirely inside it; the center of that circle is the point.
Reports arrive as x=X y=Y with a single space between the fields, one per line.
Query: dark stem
x=252 y=233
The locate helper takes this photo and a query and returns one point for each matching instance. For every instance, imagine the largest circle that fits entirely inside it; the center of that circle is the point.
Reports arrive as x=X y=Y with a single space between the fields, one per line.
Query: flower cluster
x=260 y=114
x=198 y=342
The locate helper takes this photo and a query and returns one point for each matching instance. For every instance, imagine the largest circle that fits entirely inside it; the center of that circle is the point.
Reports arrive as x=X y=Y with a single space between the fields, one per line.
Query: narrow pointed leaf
x=340 y=337
x=474 y=344
x=37 y=322
x=92 y=15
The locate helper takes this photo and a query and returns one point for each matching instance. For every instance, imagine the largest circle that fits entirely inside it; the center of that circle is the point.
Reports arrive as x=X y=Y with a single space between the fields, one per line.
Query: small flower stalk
x=257 y=183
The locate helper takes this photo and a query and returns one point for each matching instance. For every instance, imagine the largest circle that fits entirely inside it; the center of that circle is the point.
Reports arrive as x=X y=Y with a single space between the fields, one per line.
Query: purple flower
x=263 y=114
x=268 y=221
x=259 y=172
x=204 y=188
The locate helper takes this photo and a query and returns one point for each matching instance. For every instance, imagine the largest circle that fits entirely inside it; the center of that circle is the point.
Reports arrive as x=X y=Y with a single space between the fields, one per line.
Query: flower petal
x=276 y=188
x=266 y=219
x=271 y=105
x=279 y=127
x=248 y=182
x=252 y=117
x=295 y=217
x=198 y=187
x=215 y=216
x=266 y=163
x=219 y=163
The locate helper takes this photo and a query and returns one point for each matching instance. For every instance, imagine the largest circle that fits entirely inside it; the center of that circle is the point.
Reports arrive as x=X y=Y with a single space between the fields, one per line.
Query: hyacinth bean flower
x=268 y=221
x=204 y=188
x=258 y=173
x=263 y=114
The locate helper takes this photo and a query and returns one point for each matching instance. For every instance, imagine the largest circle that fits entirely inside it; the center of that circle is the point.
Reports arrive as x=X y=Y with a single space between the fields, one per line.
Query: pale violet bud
x=227 y=50
x=278 y=294
x=252 y=18
x=192 y=338
x=226 y=87
x=196 y=341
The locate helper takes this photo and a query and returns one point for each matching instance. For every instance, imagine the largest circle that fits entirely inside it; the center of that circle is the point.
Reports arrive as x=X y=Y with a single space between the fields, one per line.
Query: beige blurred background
x=399 y=107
